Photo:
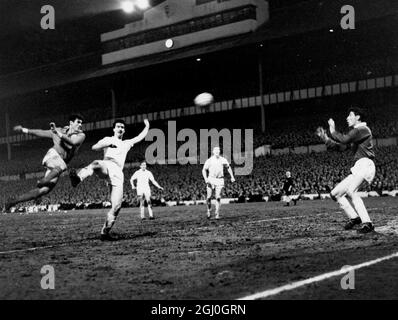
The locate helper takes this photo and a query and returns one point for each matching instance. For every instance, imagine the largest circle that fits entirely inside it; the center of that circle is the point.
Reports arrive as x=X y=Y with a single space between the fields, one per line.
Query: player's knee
x=116 y=208
x=45 y=190
x=351 y=193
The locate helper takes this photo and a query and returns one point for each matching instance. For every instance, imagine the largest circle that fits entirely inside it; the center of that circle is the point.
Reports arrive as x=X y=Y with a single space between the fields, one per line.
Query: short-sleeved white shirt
x=118 y=154
x=215 y=166
x=143 y=177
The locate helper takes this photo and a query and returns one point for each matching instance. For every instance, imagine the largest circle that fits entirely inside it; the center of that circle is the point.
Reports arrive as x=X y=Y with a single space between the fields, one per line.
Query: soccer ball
x=203 y=99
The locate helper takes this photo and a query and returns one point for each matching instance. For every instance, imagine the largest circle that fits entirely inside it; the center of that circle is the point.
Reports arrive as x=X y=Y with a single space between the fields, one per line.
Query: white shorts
x=53 y=160
x=144 y=193
x=115 y=173
x=364 y=168
x=216 y=182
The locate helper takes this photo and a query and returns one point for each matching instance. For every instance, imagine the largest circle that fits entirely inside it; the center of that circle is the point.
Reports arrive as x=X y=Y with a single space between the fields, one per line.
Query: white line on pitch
x=295 y=285
x=28 y=249
x=275 y=219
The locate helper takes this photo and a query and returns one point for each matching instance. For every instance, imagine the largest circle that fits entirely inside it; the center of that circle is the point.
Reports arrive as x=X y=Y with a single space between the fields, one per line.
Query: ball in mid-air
x=204 y=99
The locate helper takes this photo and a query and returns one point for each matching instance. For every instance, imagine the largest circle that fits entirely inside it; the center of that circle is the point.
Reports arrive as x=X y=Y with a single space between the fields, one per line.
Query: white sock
x=346 y=206
x=142 y=212
x=85 y=172
x=109 y=222
x=360 y=208
x=150 y=211
x=218 y=205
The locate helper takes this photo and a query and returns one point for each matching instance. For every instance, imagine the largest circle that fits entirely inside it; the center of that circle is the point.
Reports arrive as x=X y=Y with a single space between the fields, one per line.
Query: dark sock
x=32 y=194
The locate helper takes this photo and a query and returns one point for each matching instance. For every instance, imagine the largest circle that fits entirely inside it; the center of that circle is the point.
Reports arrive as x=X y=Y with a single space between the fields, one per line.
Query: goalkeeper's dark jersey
x=359 y=139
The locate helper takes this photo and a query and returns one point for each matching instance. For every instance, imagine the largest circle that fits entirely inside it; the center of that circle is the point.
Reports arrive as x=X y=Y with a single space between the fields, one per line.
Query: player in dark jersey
x=359 y=139
x=66 y=141
x=288 y=189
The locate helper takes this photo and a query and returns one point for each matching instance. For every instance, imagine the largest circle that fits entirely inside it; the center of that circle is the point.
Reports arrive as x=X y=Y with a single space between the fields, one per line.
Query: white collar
x=361 y=124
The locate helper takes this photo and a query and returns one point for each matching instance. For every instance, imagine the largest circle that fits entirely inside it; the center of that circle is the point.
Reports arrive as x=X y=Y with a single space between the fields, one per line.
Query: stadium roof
x=304 y=17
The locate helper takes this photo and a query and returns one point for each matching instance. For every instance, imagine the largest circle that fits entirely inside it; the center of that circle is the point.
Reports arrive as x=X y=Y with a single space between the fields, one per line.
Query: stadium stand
x=162 y=86
x=313 y=173
x=288 y=125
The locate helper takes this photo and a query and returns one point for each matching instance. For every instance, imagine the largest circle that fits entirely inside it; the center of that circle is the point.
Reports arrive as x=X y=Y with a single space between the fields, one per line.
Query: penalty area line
x=298 y=284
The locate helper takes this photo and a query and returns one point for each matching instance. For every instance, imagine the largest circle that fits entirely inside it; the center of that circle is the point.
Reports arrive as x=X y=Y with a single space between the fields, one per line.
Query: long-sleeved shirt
x=359 y=139
x=65 y=150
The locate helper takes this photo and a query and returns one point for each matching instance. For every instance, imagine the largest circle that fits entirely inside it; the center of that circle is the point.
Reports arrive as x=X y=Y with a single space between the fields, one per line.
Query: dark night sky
x=22 y=15
x=78 y=24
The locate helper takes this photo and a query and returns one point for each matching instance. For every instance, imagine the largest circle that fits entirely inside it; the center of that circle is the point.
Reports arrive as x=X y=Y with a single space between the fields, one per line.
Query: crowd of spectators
x=313 y=173
x=287 y=126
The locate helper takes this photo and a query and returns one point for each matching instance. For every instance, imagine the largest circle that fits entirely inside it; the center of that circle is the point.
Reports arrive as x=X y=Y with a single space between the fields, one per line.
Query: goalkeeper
x=359 y=139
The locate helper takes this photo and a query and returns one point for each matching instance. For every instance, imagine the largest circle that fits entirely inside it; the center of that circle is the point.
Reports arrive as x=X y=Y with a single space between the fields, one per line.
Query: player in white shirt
x=143 y=176
x=111 y=168
x=214 y=166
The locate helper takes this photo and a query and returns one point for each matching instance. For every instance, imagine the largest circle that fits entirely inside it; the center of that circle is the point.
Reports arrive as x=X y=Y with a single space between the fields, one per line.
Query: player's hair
x=358 y=112
x=75 y=116
x=119 y=121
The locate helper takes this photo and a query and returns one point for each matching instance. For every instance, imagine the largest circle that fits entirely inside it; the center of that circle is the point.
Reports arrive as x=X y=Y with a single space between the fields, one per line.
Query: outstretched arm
x=352 y=136
x=34 y=132
x=155 y=183
x=75 y=140
x=231 y=173
x=142 y=135
x=348 y=138
x=330 y=144
x=333 y=145
x=102 y=144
